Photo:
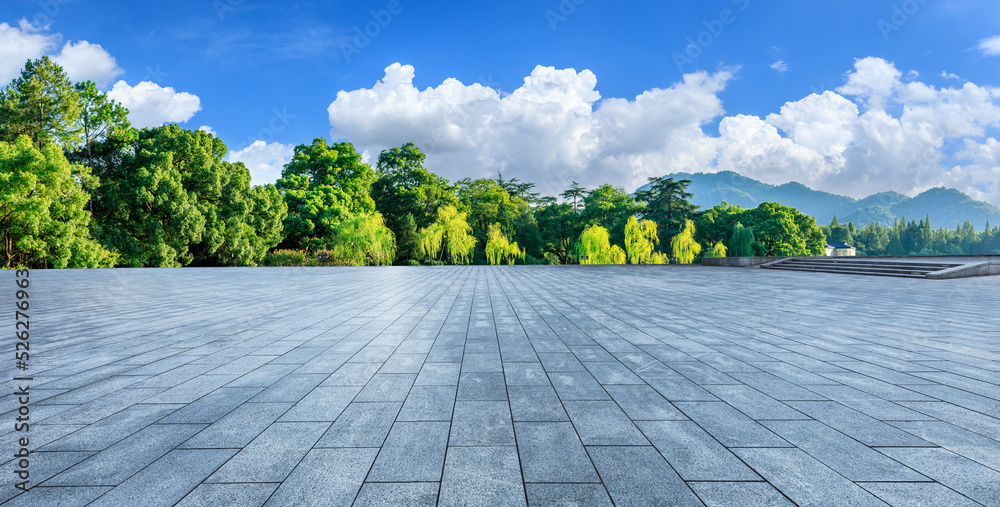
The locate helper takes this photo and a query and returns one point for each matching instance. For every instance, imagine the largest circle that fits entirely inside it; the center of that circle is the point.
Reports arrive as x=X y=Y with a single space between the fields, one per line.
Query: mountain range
x=946 y=207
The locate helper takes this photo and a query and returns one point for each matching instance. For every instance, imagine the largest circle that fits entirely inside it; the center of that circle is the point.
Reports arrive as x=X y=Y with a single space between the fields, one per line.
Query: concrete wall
x=738 y=262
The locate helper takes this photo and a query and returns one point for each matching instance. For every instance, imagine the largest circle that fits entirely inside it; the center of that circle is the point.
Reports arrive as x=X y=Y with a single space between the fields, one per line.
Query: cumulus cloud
x=150 y=105
x=780 y=66
x=264 y=160
x=546 y=131
x=879 y=131
x=82 y=60
x=18 y=44
x=206 y=128
x=990 y=46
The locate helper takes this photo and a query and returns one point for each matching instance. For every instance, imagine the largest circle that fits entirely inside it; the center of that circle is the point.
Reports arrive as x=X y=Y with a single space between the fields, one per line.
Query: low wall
x=738 y=262
x=980 y=269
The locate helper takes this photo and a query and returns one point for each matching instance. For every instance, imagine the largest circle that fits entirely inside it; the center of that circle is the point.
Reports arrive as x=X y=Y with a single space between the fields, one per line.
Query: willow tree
x=364 y=240
x=451 y=234
x=499 y=248
x=717 y=250
x=640 y=238
x=741 y=243
x=595 y=247
x=684 y=246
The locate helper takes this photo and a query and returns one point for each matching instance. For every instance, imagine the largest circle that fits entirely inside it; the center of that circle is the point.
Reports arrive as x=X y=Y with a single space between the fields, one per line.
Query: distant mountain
x=945 y=206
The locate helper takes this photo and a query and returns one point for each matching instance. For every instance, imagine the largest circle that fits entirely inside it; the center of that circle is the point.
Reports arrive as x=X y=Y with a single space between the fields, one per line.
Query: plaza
x=510 y=385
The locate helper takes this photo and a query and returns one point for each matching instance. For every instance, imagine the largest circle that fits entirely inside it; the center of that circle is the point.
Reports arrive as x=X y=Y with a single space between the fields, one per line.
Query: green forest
x=81 y=188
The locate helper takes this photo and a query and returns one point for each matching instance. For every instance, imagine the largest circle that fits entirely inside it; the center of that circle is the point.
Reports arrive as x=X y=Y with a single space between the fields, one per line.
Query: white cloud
x=780 y=66
x=990 y=46
x=150 y=105
x=18 y=45
x=949 y=75
x=85 y=61
x=264 y=160
x=206 y=128
x=555 y=129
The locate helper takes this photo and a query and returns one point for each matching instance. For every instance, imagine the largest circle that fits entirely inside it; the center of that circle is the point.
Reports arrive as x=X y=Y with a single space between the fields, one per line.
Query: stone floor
x=668 y=385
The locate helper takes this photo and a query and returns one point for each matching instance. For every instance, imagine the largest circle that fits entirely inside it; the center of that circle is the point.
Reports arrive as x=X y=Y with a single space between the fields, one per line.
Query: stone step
x=861 y=267
x=871 y=263
x=846 y=271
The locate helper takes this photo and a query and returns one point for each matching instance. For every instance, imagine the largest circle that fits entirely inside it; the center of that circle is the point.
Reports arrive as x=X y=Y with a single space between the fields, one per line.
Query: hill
x=945 y=206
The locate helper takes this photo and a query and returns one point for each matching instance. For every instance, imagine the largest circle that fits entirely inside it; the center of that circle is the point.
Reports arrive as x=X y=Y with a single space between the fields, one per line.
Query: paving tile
x=482 y=476
x=693 y=453
x=856 y=425
x=643 y=403
x=60 y=496
x=525 y=374
x=325 y=477
x=753 y=403
x=724 y=494
x=361 y=425
x=481 y=423
x=577 y=386
x=413 y=451
x=321 y=404
x=107 y=431
x=352 y=374
x=676 y=387
x=291 y=388
x=869 y=404
x=482 y=386
x=729 y=426
x=213 y=406
x=397 y=493
x=552 y=452
x=967 y=477
x=438 y=374
x=113 y=465
x=535 y=403
x=847 y=456
x=638 y=475
x=387 y=387
x=171 y=478
x=567 y=494
x=803 y=479
x=252 y=494
x=239 y=427
x=273 y=454
x=603 y=423
x=914 y=494
x=429 y=403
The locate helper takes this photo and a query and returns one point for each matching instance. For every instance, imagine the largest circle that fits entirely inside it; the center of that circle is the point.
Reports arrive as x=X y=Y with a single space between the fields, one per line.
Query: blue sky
x=270 y=72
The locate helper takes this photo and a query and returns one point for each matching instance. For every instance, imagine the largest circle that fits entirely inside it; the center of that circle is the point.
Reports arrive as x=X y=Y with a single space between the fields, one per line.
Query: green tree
x=323 y=185
x=364 y=240
x=499 y=248
x=519 y=190
x=489 y=203
x=610 y=208
x=102 y=123
x=640 y=240
x=684 y=246
x=717 y=250
x=559 y=226
x=404 y=187
x=783 y=231
x=667 y=202
x=407 y=240
x=595 y=247
x=41 y=104
x=575 y=193
x=741 y=244
x=174 y=201
x=43 y=220
x=449 y=236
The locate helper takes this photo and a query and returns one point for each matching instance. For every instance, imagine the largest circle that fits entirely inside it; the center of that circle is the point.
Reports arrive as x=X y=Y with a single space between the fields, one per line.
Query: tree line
x=915 y=238
x=81 y=187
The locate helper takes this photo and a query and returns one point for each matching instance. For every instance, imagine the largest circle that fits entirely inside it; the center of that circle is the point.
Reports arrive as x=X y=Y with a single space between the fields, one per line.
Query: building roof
x=839 y=244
